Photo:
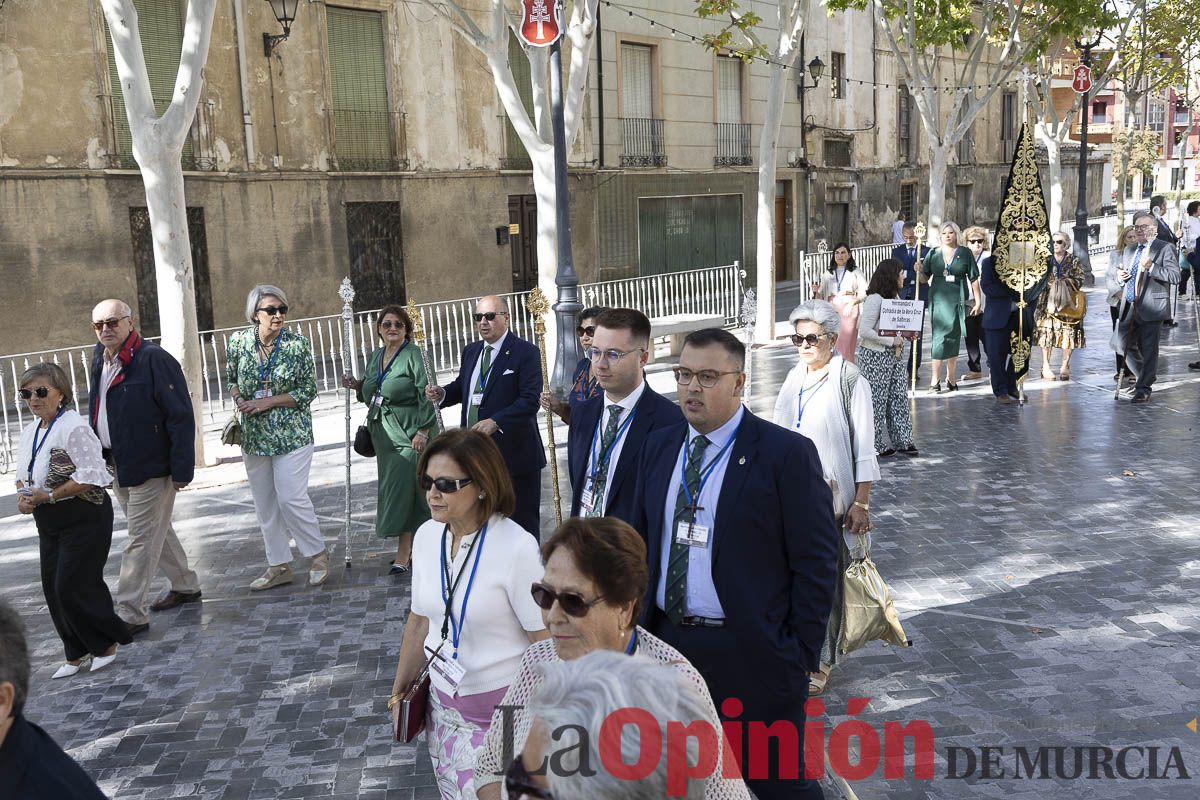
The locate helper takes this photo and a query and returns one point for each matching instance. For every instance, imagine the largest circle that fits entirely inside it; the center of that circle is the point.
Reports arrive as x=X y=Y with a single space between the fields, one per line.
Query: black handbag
x=362 y=442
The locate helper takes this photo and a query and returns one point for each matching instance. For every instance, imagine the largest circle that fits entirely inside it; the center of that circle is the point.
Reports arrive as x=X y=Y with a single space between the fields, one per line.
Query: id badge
x=949 y=278
x=446 y=674
x=377 y=400
x=587 y=500
x=692 y=535
x=477 y=399
x=263 y=393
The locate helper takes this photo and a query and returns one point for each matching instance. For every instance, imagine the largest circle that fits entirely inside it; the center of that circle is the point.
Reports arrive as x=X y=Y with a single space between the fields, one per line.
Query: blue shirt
x=702 y=600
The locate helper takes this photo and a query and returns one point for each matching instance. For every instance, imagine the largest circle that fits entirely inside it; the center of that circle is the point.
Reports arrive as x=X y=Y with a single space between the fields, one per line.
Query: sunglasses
x=519 y=783
x=388 y=324
x=590 y=330
x=1060 y=241
x=444 y=485
x=489 y=315
x=571 y=603
x=812 y=339
x=40 y=391
x=107 y=323
x=977 y=241
x=271 y=311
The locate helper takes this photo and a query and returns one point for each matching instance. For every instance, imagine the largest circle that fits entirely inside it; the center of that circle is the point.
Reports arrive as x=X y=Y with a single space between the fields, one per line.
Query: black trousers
x=974 y=336
x=528 y=489
x=1115 y=313
x=73 y=538
x=719 y=658
x=998 y=343
x=1141 y=349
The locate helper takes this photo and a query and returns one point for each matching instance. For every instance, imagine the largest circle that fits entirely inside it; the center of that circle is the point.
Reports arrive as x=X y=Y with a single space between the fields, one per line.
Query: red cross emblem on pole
x=1082 y=80
x=539 y=22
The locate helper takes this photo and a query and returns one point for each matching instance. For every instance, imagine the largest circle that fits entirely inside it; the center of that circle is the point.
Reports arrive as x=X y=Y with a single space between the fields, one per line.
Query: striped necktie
x=600 y=473
x=677 y=561
x=1131 y=284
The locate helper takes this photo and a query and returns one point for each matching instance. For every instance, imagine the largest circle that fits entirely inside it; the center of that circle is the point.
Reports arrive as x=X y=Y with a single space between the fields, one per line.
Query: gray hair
x=257 y=294
x=14 y=656
x=580 y=695
x=54 y=375
x=1066 y=234
x=1143 y=215
x=817 y=311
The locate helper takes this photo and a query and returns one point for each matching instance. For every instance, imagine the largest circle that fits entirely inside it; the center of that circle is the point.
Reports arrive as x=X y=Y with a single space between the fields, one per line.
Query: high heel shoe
x=67 y=670
x=1048 y=374
x=100 y=662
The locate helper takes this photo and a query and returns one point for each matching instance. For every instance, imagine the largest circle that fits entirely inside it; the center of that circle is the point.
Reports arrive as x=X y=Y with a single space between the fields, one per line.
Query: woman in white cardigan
x=828 y=400
x=881 y=359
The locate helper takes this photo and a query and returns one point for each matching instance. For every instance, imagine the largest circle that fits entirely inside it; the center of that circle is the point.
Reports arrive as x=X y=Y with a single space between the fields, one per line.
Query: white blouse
x=824 y=422
x=852 y=281
x=500 y=609
x=71 y=433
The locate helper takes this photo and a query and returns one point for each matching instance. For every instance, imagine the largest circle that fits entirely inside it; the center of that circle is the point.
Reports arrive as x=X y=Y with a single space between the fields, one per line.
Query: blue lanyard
x=632 y=646
x=37 y=448
x=839 y=280
x=707 y=472
x=483 y=376
x=600 y=459
x=802 y=404
x=383 y=373
x=457 y=626
x=265 y=368
x=1058 y=267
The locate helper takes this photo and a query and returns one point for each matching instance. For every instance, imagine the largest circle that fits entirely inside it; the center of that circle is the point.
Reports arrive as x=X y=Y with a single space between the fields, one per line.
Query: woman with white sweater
x=881 y=359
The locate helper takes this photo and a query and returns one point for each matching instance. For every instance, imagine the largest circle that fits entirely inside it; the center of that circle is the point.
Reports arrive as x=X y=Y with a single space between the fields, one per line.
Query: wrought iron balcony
x=733 y=144
x=643 y=142
x=369 y=141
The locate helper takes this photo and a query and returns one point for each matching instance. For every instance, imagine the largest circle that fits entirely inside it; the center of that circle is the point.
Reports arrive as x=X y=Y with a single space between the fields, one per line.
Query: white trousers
x=279 y=485
x=153 y=547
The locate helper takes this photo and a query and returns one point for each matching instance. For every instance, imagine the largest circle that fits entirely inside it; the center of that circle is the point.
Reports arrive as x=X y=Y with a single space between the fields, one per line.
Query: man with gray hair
x=579 y=701
x=141 y=411
x=32 y=766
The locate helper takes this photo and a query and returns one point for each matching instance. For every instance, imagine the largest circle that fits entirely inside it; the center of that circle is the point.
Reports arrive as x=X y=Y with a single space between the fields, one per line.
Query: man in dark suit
x=999 y=323
x=607 y=433
x=498 y=385
x=32 y=765
x=1163 y=232
x=1148 y=271
x=906 y=254
x=742 y=551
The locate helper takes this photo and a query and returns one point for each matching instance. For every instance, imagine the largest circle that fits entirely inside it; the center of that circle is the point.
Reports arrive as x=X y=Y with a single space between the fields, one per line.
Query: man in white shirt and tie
x=1150 y=269
x=604 y=443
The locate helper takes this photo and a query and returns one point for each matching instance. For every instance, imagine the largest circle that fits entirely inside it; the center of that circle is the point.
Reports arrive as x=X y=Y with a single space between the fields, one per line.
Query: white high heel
x=100 y=662
x=67 y=670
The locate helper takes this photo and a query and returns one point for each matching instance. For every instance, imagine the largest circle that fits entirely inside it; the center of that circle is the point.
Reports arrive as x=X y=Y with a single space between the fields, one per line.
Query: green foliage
x=1143 y=148
x=741 y=23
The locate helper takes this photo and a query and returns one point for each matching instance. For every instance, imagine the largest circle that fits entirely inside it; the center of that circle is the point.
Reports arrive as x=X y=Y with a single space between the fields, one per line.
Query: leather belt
x=702 y=622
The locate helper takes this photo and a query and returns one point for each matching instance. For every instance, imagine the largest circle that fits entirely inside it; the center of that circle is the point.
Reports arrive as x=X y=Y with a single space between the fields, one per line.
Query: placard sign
x=901 y=316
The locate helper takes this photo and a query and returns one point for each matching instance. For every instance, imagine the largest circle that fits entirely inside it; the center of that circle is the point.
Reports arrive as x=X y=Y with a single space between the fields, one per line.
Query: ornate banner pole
x=538 y=305
x=748 y=316
x=919 y=230
x=418 y=335
x=349 y=365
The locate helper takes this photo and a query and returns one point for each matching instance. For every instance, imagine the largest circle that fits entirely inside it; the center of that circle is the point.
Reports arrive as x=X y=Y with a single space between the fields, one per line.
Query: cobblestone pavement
x=1044 y=559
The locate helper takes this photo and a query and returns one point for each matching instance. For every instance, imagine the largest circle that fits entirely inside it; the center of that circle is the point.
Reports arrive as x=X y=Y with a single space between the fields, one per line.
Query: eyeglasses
x=977 y=241
x=107 y=323
x=595 y=355
x=388 y=324
x=708 y=377
x=1061 y=241
x=40 y=391
x=1146 y=228
x=489 y=315
x=571 y=603
x=271 y=311
x=590 y=330
x=519 y=783
x=812 y=339
x=444 y=485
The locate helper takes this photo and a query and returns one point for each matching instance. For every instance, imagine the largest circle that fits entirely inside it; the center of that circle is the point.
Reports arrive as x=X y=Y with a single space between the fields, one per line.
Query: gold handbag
x=231 y=434
x=1065 y=303
x=867 y=610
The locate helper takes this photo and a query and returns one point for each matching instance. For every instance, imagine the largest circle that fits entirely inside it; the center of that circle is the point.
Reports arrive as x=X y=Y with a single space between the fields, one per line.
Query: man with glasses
x=742 y=549
x=141 y=410
x=909 y=254
x=1163 y=232
x=607 y=433
x=499 y=384
x=1149 y=270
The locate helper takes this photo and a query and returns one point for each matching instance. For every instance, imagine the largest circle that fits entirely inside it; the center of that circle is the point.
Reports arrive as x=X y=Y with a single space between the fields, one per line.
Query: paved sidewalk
x=1045 y=560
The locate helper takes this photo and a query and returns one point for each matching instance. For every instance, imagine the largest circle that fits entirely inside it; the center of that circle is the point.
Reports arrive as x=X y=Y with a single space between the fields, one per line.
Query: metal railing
x=813 y=266
x=642 y=143
x=716 y=291
x=733 y=145
x=369 y=141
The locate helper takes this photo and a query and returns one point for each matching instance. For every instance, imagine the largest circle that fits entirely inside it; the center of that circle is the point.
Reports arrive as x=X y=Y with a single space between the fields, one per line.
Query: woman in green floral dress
x=401 y=421
x=272 y=380
x=953 y=278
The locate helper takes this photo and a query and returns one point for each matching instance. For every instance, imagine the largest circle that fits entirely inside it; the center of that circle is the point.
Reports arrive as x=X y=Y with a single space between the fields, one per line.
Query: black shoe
x=1170 y=323
x=951 y=387
x=1004 y=399
x=911 y=451
x=399 y=569
x=1194 y=365
x=135 y=629
x=936 y=388
x=1141 y=397
x=173 y=598
x=886 y=453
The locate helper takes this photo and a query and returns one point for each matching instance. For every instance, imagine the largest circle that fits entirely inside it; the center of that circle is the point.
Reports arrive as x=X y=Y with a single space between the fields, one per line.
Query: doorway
x=783 y=229
x=147 y=281
x=376 y=257
x=522 y=238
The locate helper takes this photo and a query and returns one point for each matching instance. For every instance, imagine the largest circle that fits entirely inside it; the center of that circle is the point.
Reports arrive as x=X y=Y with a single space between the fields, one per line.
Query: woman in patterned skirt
x=882 y=361
x=1052 y=330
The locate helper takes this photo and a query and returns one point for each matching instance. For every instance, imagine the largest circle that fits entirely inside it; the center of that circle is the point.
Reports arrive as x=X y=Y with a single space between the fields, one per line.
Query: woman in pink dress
x=844 y=289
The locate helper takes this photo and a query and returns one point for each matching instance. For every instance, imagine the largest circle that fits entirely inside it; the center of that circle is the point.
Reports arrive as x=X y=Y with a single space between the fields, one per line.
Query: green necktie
x=600 y=476
x=677 y=561
x=484 y=364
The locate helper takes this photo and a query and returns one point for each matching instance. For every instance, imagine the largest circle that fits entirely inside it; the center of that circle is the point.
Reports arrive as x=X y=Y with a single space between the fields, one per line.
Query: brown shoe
x=174 y=598
x=136 y=628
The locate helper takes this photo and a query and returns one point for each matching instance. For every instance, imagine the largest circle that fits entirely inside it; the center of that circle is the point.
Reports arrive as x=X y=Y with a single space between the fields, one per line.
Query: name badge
x=587 y=500
x=692 y=535
x=377 y=400
x=263 y=393
x=949 y=278
x=477 y=399
x=446 y=673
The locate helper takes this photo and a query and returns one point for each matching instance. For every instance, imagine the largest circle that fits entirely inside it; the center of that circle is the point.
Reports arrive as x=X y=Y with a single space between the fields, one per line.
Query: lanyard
x=483 y=376
x=1058 y=267
x=706 y=473
x=600 y=459
x=37 y=448
x=448 y=622
x=383 y=373
x=802 y=405
x=632 y=646
x=265 y=368
x=839 y=280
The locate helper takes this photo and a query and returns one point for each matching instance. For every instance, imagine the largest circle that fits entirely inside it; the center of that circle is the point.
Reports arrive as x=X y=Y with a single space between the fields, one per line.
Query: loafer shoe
x=274 y=576
x=1140 y=398
x=173 y=598
x=136 y=628
x=318 y=571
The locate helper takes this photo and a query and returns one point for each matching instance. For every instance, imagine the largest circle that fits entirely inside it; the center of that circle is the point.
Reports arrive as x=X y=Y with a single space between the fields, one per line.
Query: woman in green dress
x=401 y=422
x=953 y=278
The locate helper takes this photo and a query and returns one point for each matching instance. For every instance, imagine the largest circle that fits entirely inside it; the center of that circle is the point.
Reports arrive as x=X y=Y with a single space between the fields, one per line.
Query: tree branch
x=189 y=80
x=126 y=42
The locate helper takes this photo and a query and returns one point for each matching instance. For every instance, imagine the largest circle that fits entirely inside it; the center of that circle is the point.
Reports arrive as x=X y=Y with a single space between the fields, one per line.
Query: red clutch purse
x=410 y=711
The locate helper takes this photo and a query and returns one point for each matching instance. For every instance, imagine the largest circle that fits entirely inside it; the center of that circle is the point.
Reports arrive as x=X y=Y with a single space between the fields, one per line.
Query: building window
x=1008 y=124
x=365 y=129
x=1183 y=115
x=376 y=260
x=966 y=145
x=904 y=125
x=837 y=152
x=149 y=323
x=733 y=136
x=837 y=75
x=643 y=132
x=1100 y=112
x=1158 y=115
x=515 y=154
x=908 y=201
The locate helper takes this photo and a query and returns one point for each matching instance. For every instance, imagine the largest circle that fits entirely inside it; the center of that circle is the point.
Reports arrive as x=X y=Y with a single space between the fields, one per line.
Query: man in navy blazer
x=907 y=254
x=999 y=322
x=498 y=385
x=742 y=549
x=607 y=433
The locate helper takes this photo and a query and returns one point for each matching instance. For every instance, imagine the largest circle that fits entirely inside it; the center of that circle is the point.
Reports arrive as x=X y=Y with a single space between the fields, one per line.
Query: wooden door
x=522 y=213
x=782 y=237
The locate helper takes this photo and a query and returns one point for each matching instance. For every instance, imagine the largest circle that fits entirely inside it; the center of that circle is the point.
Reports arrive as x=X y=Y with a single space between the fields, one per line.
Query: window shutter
x=636 y=102
x=518 y=63
x=358 y=77
x=729 y=90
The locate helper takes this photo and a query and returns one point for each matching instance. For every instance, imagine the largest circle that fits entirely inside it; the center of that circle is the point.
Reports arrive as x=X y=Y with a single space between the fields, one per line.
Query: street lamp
x=1088 y=40
x=285 y=12
x=815 y=68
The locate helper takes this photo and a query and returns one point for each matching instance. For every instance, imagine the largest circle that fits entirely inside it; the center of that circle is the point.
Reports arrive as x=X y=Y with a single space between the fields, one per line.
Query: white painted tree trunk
x=157 y=148
x=1054 y=173
x=939 y=156
x=768 y=151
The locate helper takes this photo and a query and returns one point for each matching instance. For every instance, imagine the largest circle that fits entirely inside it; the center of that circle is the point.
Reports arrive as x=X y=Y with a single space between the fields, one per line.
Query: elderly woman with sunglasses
x=272 y=381
x=584 y=385
x=400 y=419
x=828 y=400
x=1055 y=330
x=471 y=608
x=590 y=596
x=61 y=477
